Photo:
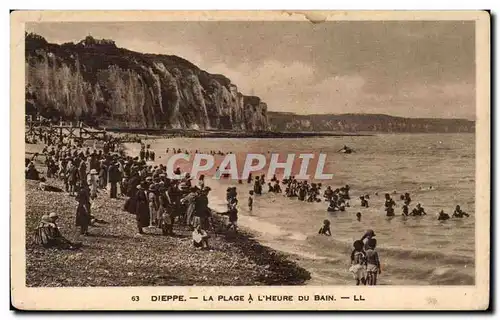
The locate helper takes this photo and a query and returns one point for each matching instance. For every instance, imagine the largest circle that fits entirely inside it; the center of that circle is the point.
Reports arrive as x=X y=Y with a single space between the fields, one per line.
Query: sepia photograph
x=302 y=152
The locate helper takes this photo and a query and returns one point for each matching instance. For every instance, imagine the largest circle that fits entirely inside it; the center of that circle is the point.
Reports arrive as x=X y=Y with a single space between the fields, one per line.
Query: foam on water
x=413 y=250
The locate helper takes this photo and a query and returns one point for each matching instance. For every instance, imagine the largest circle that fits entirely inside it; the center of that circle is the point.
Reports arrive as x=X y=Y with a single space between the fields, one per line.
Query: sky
x=423 y=69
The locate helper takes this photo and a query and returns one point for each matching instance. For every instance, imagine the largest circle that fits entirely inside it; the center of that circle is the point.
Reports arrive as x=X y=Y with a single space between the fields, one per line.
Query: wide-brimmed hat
x=149 y=178
x=152 y=187
x=53 y=215
x=139 y=186
x=93 y=171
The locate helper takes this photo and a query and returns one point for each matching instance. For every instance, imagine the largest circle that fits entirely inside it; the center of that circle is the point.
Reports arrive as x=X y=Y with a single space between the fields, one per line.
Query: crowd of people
x=158 y=201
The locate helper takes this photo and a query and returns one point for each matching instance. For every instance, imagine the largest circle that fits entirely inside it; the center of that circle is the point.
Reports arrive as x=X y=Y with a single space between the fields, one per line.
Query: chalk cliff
x=99 y=83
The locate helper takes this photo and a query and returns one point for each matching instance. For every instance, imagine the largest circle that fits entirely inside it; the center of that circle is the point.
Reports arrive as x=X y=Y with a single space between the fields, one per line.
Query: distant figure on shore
x=325 y=229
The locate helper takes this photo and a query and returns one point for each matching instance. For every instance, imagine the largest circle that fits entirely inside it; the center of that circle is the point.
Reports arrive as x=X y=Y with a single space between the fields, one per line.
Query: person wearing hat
x=369 y=234
x=141 y=208
x=47 y=234
x=153 y=205
x=114 y=177
x=202 y=212
x=189 y=202
x=103 y=175
x=72 y=175
x=93 y=183
x=149 y=180
x=165 y=211
x=83 y=217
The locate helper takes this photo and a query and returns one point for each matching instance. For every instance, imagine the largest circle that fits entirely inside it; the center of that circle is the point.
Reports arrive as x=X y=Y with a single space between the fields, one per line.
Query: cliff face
x=98 y=83
x=364 y=123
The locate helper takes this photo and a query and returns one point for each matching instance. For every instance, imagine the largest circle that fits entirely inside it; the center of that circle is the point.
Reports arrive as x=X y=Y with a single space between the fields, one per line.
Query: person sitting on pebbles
x=200 y=238
x=47 y=234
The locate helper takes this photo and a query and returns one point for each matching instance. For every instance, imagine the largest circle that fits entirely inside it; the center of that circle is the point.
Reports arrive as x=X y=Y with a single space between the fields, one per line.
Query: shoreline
x=176 y=133
x=244 y=228
x=113 y=256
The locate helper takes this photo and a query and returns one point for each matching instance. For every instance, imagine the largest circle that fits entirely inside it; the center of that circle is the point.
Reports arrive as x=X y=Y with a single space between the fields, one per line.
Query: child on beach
x=233 y=215
x=372 y=263
x=358 y=263
x=200 y=238
x=250 y=200
x=325 y=229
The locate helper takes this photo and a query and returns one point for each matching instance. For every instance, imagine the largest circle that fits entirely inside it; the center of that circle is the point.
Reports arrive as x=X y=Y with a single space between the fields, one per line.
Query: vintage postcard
x=244 y=160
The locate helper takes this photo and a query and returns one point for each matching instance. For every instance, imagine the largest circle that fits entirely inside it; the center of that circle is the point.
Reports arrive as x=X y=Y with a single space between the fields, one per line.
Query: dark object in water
x=443 y=216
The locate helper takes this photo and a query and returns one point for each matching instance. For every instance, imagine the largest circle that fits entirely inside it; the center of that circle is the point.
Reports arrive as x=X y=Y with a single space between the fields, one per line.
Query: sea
x=438 y=170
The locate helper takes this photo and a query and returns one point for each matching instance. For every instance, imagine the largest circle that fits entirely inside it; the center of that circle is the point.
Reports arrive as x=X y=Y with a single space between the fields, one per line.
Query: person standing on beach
x=103 y=175
x=202 y=212
x=92 y=181
x=114 y=178
x=141 y=209
x=83 y=216
x=153 y=206
x=72 y=179
x=233 y=215
x=82 y=173
x=190 y=203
